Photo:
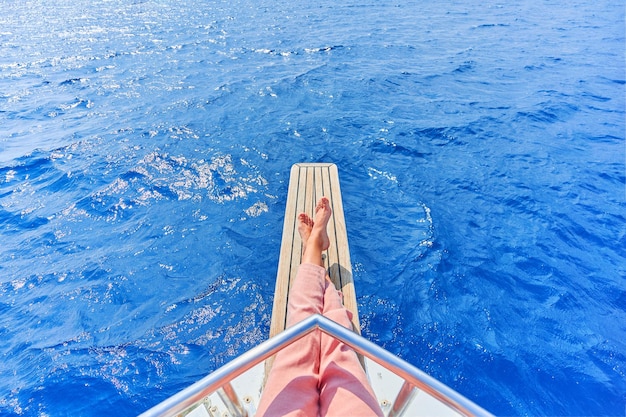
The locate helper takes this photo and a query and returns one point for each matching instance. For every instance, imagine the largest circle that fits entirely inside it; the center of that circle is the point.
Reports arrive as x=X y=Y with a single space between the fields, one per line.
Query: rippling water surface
x=145 y=149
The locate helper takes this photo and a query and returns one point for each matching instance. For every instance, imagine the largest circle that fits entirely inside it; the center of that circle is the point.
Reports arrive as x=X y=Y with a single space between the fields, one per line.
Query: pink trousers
x=317 y=375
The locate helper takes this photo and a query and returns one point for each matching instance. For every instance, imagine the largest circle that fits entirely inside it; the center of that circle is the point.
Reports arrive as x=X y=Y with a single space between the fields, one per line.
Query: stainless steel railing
x=414 y=378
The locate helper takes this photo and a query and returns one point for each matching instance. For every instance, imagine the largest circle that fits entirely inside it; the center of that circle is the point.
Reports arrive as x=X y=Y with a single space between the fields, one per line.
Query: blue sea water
x=145 y=149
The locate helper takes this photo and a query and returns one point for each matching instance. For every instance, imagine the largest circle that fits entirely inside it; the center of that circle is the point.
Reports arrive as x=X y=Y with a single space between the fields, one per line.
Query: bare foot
x=313 y=232
x=305 y=225
x=322 y=216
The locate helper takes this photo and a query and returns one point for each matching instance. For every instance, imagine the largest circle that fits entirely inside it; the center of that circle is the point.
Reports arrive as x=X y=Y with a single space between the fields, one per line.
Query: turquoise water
x=144 y=159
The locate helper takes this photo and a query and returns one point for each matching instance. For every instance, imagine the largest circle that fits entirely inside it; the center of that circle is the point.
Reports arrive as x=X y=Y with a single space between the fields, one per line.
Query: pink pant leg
x=344 y=388
x=292 y=385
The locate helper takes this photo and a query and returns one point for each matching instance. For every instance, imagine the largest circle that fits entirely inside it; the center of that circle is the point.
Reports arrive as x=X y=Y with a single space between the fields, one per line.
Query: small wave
x=465 y=67
x=375 y=173
x=257 y=209
x=491 y=25
x=383 y=145
x=322 y=49
x=549 y=112
x=74 y=81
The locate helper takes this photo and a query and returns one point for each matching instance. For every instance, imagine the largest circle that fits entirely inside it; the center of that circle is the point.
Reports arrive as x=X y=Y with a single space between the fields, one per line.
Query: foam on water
x=144 y=158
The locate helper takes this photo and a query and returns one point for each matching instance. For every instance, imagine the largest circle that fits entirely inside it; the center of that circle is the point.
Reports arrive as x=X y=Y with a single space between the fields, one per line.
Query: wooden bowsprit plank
x=307 y=184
